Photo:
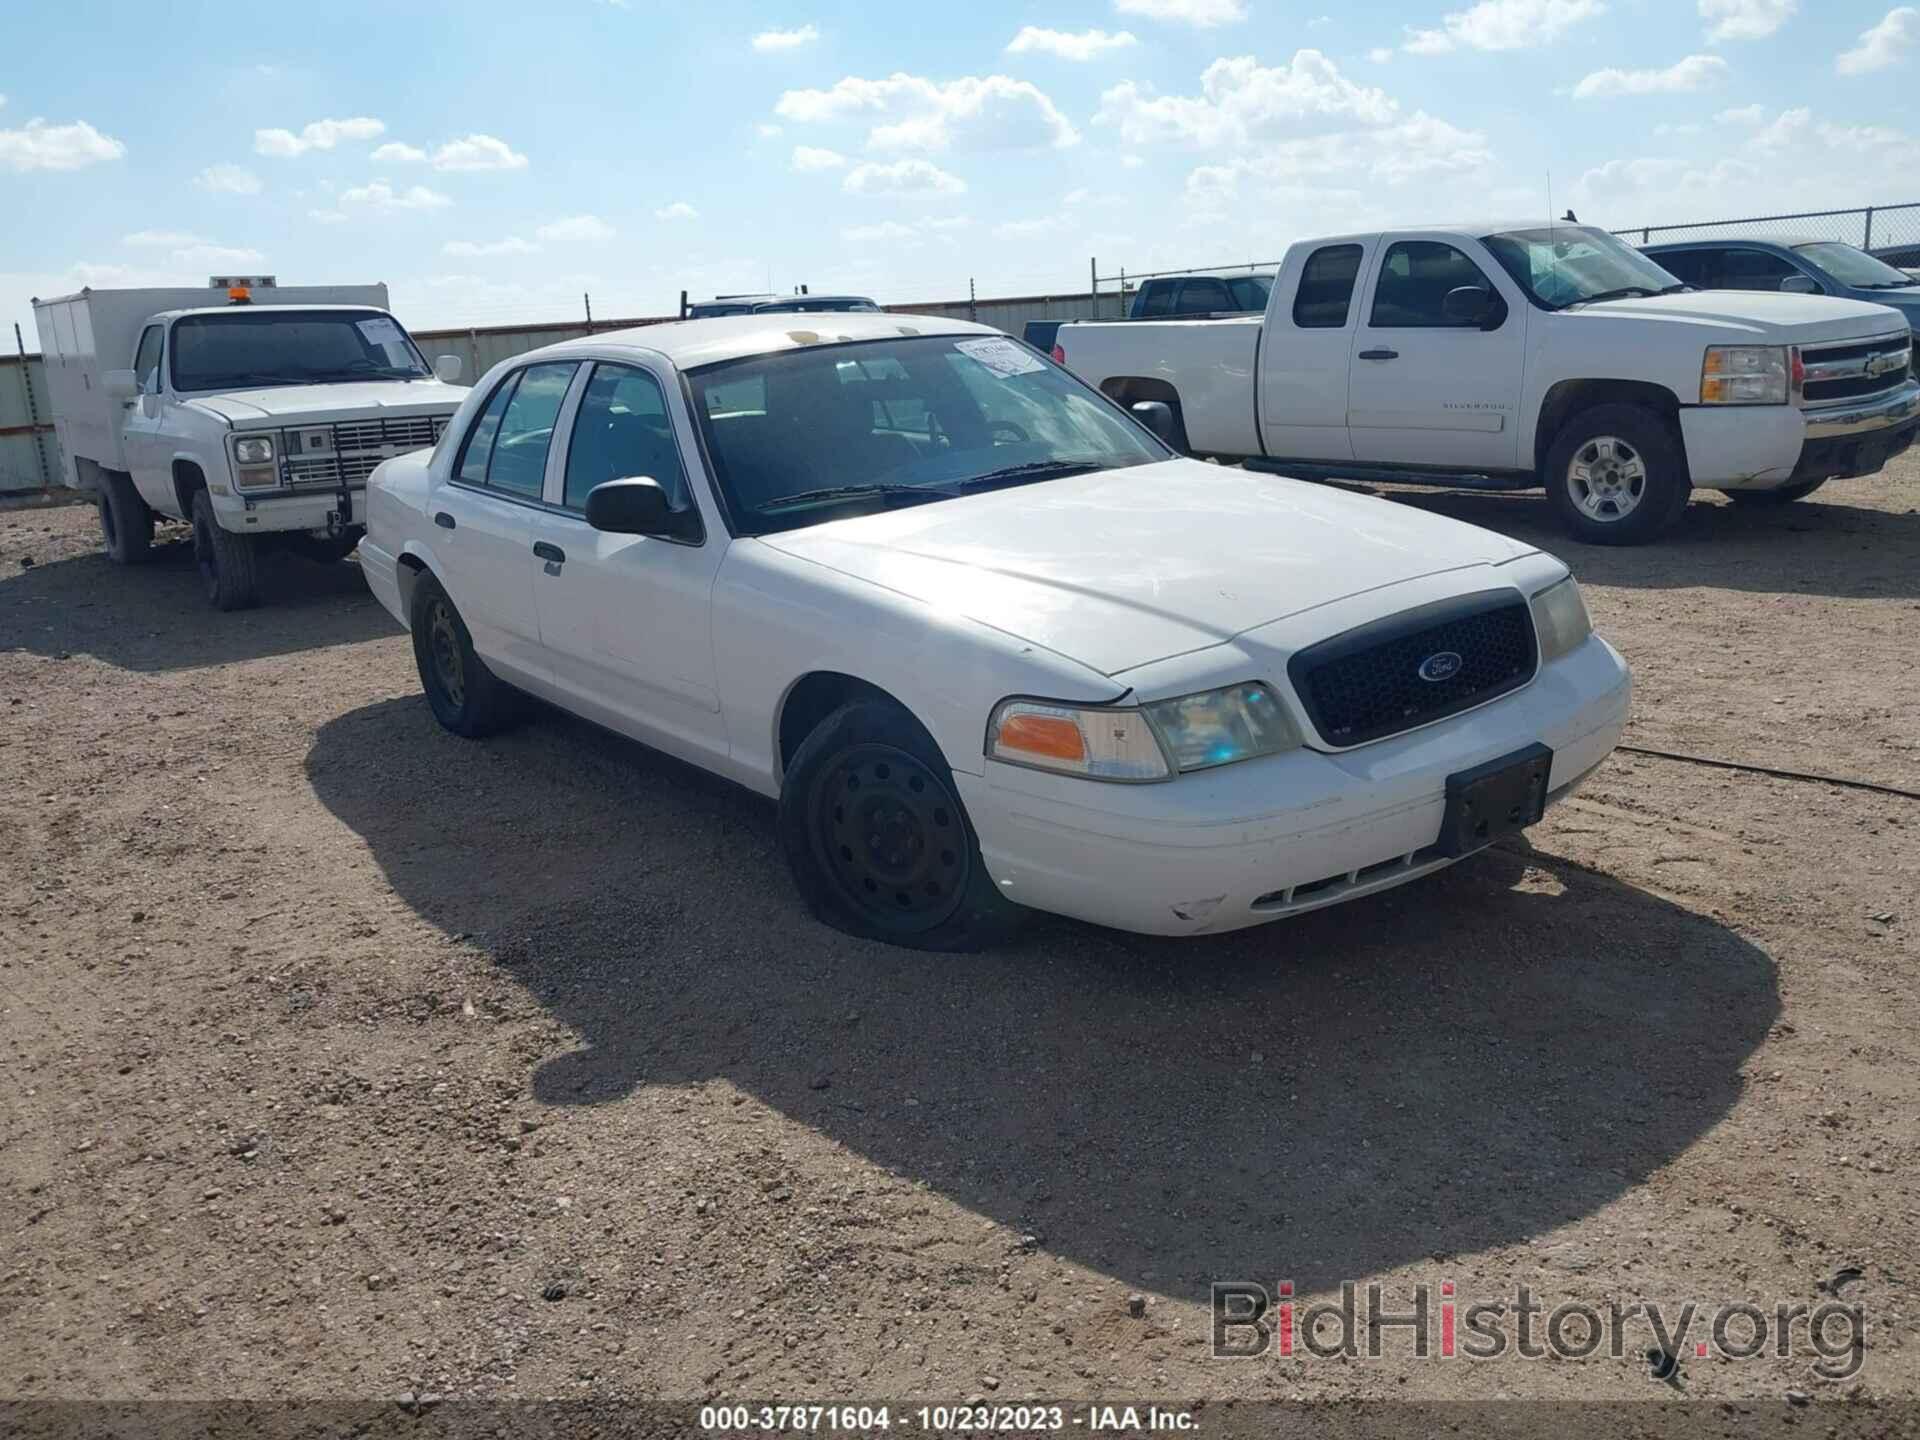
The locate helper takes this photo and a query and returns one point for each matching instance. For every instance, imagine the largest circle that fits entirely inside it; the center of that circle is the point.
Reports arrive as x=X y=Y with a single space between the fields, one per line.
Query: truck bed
x=1212 y=362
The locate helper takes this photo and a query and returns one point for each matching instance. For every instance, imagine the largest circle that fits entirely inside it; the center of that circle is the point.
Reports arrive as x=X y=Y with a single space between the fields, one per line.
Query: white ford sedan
x=992 y=644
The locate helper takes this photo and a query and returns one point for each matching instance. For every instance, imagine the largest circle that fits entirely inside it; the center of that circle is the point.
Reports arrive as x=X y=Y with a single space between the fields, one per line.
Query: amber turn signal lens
x=1053 y=736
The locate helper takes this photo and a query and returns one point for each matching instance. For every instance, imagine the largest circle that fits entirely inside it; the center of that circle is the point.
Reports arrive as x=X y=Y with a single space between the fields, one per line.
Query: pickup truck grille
x=1856 y=369
x=348 y=452
x=1392 y=675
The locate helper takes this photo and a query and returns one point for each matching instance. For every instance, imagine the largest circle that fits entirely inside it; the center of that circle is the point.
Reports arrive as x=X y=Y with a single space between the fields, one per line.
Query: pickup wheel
x=878 y=841
x=1617 y=475
x=225 y=560
x=464 y=695
x=1786 y=494
x=126 y=523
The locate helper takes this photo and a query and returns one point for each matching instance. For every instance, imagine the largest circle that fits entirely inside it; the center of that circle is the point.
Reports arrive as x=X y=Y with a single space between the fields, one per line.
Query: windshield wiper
x=1624 y=292
x=1032 y=470
x=886 y=493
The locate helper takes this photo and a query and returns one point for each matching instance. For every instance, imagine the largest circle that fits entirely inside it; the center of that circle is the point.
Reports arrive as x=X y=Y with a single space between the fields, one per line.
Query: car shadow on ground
x=155 y=616
x=1822 y=545
x=1467 y=1061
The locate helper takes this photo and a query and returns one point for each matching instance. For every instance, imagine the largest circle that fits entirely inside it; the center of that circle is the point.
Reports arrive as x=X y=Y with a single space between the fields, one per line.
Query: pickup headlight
x=1152 y=742
x=254 y=450
x=1745 y=375
x=1560 y=619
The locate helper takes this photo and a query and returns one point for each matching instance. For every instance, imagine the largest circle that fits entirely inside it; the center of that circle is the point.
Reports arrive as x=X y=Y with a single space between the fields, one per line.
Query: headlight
x=1560 y=619
x=1153 y=742
x=254 y=450
x=1745 y=375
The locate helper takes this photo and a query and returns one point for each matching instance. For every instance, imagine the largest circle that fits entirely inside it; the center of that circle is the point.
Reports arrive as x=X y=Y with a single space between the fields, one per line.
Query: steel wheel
x=892 y=838
x=1606 y=479
x=444 y=642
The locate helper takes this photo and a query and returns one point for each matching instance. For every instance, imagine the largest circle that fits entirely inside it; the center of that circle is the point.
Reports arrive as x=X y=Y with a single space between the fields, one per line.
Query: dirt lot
x=345 y=1058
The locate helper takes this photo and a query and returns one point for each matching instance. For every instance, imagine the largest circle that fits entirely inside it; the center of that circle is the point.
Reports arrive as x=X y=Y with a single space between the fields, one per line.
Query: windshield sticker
x=381 y=331
x=1003 y=357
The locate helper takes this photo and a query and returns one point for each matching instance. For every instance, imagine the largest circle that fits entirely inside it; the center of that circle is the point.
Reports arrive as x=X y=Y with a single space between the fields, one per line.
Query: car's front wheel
x=225 y=560
x=878 y=840
x=1617 y=475
x=464 y=695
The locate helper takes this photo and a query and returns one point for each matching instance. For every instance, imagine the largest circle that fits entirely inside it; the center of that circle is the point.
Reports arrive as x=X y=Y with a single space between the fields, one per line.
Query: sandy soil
x=345 y=1058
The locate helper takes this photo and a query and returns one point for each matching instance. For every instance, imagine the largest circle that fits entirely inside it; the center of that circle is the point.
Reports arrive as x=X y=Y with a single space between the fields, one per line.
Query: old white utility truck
x=1511 y=356
x=252 y=412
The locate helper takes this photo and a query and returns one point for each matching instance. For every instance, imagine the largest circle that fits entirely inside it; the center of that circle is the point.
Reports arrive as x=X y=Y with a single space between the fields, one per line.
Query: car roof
x=254 y=308
x=1784 y=242
x=689 y=343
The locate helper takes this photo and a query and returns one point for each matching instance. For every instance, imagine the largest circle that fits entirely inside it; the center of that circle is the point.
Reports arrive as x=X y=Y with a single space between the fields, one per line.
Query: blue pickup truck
x=1805 y=267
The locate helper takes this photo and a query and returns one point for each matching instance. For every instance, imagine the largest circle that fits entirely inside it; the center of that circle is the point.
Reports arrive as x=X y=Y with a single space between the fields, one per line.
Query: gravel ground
x=346 y=1058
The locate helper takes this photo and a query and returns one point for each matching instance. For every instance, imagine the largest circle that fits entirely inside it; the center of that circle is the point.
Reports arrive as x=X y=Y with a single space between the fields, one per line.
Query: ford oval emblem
x=1443 y=666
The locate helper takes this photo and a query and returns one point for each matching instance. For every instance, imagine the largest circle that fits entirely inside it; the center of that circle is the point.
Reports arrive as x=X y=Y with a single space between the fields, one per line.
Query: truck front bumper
x=281 y=510
x=1763 y=447
x=1259 y=841
x=1859 y=439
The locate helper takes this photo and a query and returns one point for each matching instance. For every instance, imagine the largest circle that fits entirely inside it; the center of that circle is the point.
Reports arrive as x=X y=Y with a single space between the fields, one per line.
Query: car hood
x=1124 y=567
x=1764 y=317
x=325 y=402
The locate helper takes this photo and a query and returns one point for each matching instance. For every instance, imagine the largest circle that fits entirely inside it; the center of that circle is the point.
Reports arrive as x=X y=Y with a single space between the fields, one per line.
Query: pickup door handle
x=1379 y=354
x=443 y=520
x=550 y=553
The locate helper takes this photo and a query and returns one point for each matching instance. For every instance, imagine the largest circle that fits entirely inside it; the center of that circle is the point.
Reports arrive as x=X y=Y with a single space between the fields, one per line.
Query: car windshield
x=1564 y=265
x=807 y=435
x=269 y=346
x=1852 y=266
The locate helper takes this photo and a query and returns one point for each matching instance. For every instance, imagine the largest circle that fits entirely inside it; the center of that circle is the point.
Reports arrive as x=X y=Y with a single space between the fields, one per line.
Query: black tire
x=870 y=773
x=226 y=561
x=1613 y=444
x=1785 y=495
x=464 y=695
x=126 y=523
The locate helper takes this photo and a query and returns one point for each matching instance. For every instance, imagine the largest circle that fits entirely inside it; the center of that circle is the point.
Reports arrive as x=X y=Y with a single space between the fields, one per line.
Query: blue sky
x=491 y=162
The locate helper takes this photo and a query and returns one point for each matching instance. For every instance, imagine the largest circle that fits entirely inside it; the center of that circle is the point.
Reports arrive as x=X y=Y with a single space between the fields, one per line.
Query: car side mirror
x=120 y=384
x=1157 y=416
x=446 y=368
x=1799 y=285
x=638 y=506
x=1468 y=305
x=150 y=406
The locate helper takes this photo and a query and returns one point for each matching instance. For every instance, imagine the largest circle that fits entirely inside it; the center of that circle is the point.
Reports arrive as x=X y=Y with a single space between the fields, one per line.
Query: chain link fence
x=1890 y=231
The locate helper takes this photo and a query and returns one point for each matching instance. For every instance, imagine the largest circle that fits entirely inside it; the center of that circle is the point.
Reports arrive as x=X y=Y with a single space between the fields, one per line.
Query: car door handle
x=552 y=554
x=443 y=520
x=1379 y=354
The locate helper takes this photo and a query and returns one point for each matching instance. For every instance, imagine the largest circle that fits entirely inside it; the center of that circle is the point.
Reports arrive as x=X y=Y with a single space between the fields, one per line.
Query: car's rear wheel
x=1617 y=475
x=225 y=560
x=464 y=695
x=879 y=843
x=1786 y=494
x=126 y=523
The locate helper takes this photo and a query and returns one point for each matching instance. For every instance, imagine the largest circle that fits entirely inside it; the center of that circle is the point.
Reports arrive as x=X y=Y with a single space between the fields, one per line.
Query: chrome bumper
x=1832 y=422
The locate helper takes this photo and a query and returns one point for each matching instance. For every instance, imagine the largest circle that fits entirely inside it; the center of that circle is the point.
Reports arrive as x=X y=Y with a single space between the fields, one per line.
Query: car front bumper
x=1245 y=844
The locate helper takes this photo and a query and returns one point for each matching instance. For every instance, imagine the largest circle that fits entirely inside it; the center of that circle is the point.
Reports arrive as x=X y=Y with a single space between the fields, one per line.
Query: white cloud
x=228 y=180
x=775 y=40
x=979 y=112
x=1503 y=25
x=812 y=157
x=1203 y=14
x=1067 y=45
x=1418 y=146
x=510 y=245
x=765 y=131
x=678 y=210
x=1131 y=162
x=319 y=135
x=1695 y=72
x=1380 y=55
x=379 y=195
x=328 y=217
x=576 y=227
x=902 y=177
x=478 y=152
x=160 y=239
x=1742 y=115
x=1786 y=129
x=40 y=146
x=1240 y=99
x=1884 y=44
x=395 y=153
x=1745 y=19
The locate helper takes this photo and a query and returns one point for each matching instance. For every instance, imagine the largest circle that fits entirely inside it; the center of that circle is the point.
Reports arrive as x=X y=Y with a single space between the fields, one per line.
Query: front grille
x=1368 y=683
x=347 y=453
x=1856 y=369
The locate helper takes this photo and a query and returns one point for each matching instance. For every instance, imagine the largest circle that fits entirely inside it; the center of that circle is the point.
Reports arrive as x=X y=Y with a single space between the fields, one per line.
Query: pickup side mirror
x=120 y=384
x=638 y=506
x=446 y=368
x=1800 y=285
x=1157 y=416
x=1470 y=305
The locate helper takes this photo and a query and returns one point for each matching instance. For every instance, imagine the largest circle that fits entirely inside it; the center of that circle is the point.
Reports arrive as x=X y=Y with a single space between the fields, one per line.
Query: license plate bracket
x=1494 y=800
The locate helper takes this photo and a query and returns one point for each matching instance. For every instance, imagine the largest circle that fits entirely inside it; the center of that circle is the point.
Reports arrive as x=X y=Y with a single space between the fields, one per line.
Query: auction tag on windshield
x=1003 y=357
x=381 y=331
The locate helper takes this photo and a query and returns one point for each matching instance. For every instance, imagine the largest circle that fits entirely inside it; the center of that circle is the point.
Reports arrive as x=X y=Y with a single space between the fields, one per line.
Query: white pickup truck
x=1513 y=356
x=256 y=420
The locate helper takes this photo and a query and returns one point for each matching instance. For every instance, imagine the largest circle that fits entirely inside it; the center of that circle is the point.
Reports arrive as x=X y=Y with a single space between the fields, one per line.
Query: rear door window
x=1753 y=270
x=1326 y=287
